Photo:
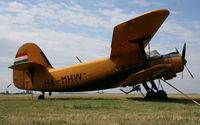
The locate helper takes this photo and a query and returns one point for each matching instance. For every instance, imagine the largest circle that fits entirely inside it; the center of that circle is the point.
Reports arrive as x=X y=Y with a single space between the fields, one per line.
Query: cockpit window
x=154 y=54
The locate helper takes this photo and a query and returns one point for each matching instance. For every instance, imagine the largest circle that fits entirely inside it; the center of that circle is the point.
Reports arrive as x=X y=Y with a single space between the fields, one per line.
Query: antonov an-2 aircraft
x=128 y=64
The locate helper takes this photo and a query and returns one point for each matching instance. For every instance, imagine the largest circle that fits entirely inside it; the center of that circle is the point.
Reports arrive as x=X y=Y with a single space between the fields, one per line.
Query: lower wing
x=148 y=74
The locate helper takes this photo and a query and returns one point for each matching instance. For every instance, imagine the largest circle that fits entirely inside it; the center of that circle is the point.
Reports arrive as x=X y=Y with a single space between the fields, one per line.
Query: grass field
x=97 y=109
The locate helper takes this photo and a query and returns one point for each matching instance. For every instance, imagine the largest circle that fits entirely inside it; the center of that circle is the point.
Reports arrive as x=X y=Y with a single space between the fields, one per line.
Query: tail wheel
x=41 y=97
x=161 y=94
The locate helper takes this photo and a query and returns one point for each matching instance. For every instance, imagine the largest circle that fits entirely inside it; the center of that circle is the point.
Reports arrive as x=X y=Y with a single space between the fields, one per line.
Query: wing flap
x=148 y=74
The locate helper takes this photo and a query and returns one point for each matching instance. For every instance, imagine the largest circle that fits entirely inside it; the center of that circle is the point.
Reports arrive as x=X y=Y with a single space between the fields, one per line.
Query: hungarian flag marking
x=20 y=58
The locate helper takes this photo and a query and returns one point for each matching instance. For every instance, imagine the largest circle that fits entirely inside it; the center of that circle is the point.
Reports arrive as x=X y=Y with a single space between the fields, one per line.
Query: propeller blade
x=183 y=53
x=189 y=72
x=177 y=50
x=184 y=60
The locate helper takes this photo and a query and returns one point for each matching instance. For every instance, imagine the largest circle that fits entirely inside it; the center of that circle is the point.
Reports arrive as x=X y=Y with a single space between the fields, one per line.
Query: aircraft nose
x=177 y=64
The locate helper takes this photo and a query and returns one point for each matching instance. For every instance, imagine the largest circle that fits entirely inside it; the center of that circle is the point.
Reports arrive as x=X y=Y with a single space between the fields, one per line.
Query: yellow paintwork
x=142 y=26
x=124 y=66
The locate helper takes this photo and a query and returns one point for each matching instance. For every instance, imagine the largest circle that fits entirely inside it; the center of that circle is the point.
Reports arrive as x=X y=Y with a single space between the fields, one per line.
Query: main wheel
x=41 y=97
x=151 y=95
x=161 y=94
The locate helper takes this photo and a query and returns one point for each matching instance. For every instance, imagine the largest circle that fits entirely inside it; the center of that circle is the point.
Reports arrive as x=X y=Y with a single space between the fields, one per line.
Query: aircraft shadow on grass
x=169 y=100
x=87 y=98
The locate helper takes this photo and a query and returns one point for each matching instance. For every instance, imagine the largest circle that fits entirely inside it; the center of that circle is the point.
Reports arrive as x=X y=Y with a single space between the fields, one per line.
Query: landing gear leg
x=154 y=85
x=41 y=97
x=161 y=94
x=146 y=86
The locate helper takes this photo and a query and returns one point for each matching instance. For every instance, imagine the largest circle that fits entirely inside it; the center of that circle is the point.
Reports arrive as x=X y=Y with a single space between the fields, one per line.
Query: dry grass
x=98 y=109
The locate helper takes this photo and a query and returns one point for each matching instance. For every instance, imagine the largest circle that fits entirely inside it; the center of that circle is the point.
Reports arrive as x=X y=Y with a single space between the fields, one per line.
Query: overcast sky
x=67 y=28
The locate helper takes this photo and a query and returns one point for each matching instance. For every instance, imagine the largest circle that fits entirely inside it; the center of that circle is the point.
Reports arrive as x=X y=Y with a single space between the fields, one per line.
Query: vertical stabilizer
x=29 y=57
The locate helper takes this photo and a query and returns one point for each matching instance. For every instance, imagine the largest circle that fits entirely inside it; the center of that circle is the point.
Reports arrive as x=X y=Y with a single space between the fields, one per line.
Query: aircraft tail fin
x=29 y=55
x=28 y=59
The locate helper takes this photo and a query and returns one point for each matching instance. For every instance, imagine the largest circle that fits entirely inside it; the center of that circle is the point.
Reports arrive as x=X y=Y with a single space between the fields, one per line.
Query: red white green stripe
x=20 y=58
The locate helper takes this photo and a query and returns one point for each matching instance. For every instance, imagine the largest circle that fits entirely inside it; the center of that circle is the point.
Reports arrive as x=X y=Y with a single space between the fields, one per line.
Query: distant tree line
x=23 y=92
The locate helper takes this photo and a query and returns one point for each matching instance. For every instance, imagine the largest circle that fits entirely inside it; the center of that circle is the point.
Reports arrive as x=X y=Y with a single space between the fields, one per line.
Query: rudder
x=29 y=57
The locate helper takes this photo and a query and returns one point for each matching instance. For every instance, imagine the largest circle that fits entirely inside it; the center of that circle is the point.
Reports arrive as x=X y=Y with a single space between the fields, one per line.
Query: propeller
x=189 y=71
x=184 y=60
x=183 y=54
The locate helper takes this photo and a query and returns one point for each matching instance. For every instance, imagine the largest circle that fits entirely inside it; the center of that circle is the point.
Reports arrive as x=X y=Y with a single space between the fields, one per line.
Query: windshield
x=153 y=54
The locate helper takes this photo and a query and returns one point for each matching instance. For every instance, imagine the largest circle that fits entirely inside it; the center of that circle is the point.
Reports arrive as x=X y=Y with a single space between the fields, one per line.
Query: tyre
x=151 y=95
x=161 y=94
x=41 y=97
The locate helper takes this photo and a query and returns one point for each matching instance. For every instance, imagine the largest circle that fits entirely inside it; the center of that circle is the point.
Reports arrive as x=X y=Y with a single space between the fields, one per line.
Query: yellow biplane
x=128 y=64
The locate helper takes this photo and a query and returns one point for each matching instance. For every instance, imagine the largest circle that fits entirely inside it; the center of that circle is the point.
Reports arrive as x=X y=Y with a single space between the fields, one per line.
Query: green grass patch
x=97 y=109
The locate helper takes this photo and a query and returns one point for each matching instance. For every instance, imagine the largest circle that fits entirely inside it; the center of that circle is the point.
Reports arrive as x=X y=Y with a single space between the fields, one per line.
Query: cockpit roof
x=153 y=53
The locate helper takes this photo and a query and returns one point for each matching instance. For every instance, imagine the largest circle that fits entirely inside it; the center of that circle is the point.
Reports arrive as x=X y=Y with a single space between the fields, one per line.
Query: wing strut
x=140 y=42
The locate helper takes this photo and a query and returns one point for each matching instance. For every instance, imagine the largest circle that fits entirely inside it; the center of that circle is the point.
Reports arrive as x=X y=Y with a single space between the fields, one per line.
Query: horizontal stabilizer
x=26 y=65
x=148 y=74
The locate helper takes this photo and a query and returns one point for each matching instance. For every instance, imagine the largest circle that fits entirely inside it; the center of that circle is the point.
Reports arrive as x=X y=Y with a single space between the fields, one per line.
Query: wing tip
x=158 y=11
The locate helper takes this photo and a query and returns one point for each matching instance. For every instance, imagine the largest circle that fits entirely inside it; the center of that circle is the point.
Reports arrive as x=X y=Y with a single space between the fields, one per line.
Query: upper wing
x=141 y=29
x=148 y=74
